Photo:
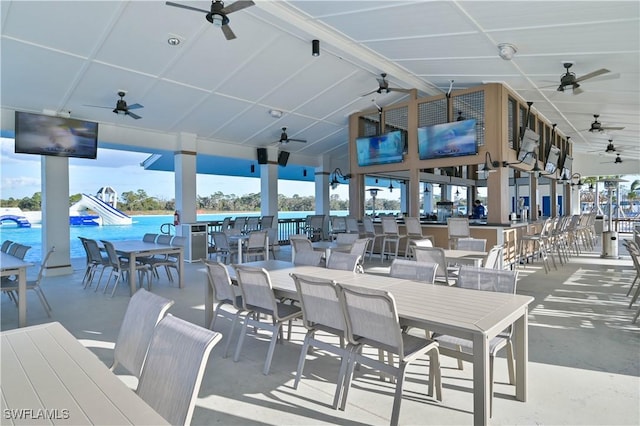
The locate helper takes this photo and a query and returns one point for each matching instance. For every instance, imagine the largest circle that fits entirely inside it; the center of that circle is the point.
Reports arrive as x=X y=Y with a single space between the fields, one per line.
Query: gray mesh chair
x=224 y=293
x=391 y=238
x=308 y=258
x=11 y=286
x=346 y=238
x=371 y=233
x=457 y=227
x=359 y=246
x=222 y=248
x=253 y=223
x=5 y=245
x=425 y=242
x=256 y=246
x=372 y=320
x=343 y=261
x=144 y=311
x=413 y=270
x=492 y=259
x=174 y=367
x=168 y=262
x=483 y=279
x=414 y=232
x=472 y=244
x=321 y=312
x=299 y=244
x=120 y=268
x=258 y=298
x=435 y=255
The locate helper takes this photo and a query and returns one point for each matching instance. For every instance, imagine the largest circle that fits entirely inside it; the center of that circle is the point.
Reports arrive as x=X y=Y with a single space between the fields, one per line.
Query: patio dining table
x=470 y=314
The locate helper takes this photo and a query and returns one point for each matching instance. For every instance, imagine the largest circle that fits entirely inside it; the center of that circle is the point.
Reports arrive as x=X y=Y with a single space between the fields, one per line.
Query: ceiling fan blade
x=133 y=115
x=296 y=140
x=577 y=91
x=98 y=106
x=592 y=74
x=239 y=5
x=612 y=128
x=134 y=106
x=182 y=6
x=397 y=89
x=370 y=93
x=226 y=30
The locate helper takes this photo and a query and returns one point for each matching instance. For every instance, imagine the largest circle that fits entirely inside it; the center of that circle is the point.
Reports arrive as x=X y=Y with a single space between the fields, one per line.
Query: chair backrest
x=389 y=225
x=149 y=238
x=112 y=255
x=20 y=250
x=143 y=312
x=308 y=258
x=338 y=224
x=175 y=364
x=372 y=318
x=257 y=239
x=413 y=226
x=458 y=227
x=164 y=239
x=266 y=222
x=320 y=300
x=179 y=241
x=425 y=242
x=433 y=255
x=343 y=261
x=345 y=238
x=256 y=288
x=413 y=270
x=93 y=251
x=220 y=282
x=5 y=245
x=359 y=246
x=240 y=223
x=501 y=280
x=43 y=265
x=352 y=225
x=225 y=223
x=253 y=223
x=220 y=241
x=472 y=244
x=301 y=244
x=492 y=259
x=367 y=222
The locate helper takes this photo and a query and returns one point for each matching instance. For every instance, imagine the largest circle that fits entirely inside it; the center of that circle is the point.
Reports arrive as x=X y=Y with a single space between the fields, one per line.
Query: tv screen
x=383 y=149
x=567 y=166
x=552 y=159
x=529 y=143
x=447 y=140
x=57 y=136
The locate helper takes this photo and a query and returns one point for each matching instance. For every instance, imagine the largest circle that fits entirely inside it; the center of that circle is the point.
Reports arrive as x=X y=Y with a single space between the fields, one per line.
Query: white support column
x=55 y=214
x=269 y=186
x=185 y=179
x=322 y=186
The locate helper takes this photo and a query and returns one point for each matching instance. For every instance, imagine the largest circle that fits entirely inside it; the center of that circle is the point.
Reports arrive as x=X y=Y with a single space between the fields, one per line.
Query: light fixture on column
x=304 y=172
x=457 y=192
x=253 y=168
x=390 y=186
x=490 y=166
x=315 y=47
x=336 y=176
x=579 y=182
x=426 y=188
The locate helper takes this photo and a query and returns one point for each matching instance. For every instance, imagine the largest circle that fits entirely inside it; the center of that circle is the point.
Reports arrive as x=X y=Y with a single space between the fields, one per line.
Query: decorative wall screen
x=512 y=126
x=434 y=112
x=471 y=105
x=396 y=119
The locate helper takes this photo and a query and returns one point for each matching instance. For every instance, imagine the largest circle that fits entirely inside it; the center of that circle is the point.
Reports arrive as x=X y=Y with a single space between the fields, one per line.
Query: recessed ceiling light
x=173 y=41
x=275 y=113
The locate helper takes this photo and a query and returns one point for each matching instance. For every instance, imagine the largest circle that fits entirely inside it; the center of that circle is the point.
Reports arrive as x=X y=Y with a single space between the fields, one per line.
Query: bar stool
x=457 y=227
x=391 y=236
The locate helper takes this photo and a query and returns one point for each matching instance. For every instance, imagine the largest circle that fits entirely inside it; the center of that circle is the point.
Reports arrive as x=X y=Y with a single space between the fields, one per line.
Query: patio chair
x=143 y=312
x=168 y=262
x=426 y=242
x=484 y=280
x=493 y=257
x=239 y=224
x=372 y=320
x=174 y=367
x=346 y=238
x=223 y=250
x=120 y=268
x=414 y=232
x=18 y=250
x=321 y=312
x=472 y=244
x=435 y=255
x=253 y=224
x=95 y=260
x=224 y=293
x=5 y=245
x=308 y=258
x=343 y=261
x=352 y=225
x=392 y=236
x=258 y=297
x=370 y=232
x=413 y=270
x=359 y=247
x=11 y=286
x=457 y=227
x=299 y=244
x=256 y=246
x=266 y=222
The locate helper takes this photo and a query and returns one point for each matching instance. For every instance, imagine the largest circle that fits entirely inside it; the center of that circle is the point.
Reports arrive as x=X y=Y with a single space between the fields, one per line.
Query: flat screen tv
x=57 y=136
x=382 y=149
x=528 y=144
x=453 y=139
x=552 y=159
x=567 y=166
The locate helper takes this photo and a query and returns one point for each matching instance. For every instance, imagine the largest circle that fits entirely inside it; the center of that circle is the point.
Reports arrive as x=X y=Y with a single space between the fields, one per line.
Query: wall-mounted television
x=567 y=166
x=528 y=144
x=453 y=139
x=57 y=136
x=382 y=149
x=552 y=159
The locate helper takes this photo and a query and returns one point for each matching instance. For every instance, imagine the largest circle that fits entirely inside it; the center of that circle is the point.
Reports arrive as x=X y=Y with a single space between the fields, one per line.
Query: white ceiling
x=64 y=56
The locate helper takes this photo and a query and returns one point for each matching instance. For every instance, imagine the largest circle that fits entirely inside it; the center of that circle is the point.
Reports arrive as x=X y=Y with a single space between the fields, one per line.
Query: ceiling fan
x=122 y=107
x=218 y=13
x=597 y=126
x=610 y=148
x=618 y=160
x=383 y=86
x=569 y=80
x=284 y=138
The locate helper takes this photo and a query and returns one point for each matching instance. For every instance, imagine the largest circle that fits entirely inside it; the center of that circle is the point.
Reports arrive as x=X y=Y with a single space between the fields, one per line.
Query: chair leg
x=233 y=326
x=435 y=375
x=272 y=348
x=236 y=356
x=511 y=364
x=302 y=359
x=341 y=377
x=43 y=300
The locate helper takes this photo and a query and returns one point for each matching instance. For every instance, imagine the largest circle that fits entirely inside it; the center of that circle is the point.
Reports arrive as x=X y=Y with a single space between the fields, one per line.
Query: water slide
x=109 y=214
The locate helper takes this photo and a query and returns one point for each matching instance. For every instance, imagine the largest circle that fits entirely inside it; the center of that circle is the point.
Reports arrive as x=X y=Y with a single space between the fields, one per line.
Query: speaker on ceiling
x=283 y=157
x=262 y=156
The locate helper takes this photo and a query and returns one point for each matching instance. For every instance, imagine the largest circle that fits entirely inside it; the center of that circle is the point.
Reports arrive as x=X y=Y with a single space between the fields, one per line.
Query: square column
x=55 y=214
x=269 y=186
x=185 y=179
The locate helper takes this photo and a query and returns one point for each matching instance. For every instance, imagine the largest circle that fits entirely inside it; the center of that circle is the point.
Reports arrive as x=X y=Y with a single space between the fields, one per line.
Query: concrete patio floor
x=584 y=355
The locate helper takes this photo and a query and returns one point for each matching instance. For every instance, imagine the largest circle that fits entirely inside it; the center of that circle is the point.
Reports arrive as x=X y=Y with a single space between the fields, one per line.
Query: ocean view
x=141 y=225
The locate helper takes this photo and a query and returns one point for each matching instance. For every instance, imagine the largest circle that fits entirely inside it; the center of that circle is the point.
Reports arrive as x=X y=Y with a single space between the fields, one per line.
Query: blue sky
x=121 y=170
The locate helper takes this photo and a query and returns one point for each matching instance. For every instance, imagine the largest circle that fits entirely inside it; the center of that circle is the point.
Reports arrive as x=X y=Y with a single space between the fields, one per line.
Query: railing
x=286 y=227
x=625 y=225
